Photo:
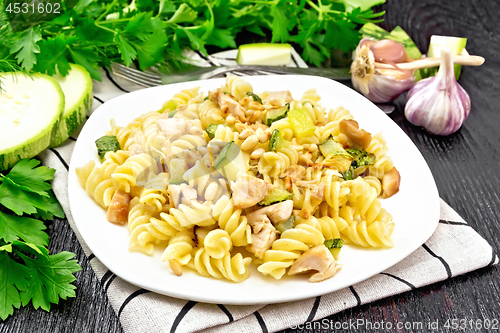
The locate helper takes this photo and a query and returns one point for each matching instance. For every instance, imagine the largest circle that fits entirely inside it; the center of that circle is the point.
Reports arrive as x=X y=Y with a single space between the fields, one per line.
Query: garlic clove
x=379 y=85
x=389 y=51
x=439 y=103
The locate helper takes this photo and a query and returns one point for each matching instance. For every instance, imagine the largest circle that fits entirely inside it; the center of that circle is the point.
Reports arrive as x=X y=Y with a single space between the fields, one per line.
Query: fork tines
x=145 y=79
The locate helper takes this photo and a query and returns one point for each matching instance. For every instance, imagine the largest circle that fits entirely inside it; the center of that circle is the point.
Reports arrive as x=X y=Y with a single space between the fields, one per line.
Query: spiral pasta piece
x=209 y=113
x=155 y=192
x=237 y=87
x=141 y=240
x=233 y=268
x=335 y=194
x=273 y=164
x=375 y=183
x=383 y=163
x=338 y=114
x=377 y=234
x=329 y=227
x=95 y=180
x=284 y=251
x=164 y=227
x=198 y=214
x=363 y=198
x=188 y=96
x=218 y=243
x=231 y=221
x=179 y=247
x=135 y=169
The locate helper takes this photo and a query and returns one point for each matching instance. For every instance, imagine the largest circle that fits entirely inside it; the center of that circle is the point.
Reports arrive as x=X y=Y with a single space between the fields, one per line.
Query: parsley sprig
x=148 y=32
x=27 y=271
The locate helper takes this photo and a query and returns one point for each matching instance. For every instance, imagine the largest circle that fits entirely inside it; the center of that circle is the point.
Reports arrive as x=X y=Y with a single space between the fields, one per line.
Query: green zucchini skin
x=72 y=119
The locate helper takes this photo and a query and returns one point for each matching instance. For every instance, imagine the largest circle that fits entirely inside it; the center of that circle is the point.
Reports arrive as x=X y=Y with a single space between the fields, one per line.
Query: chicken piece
x=263 y=236
x=278 y=98
x=318 y=191
x=248 y=190
x=173 y=128
x=227 y=104
x=390 y=183
x=357 y=138
x=118 y=208
x=275 y=213
x=317 y=258
x=181 y=194
x=295 y=172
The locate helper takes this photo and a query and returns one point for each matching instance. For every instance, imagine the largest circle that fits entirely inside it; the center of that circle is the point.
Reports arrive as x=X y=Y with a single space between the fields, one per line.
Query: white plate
x=415 y=208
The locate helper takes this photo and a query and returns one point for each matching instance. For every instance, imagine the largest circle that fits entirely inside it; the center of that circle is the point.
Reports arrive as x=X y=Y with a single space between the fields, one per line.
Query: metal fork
x=152 y=79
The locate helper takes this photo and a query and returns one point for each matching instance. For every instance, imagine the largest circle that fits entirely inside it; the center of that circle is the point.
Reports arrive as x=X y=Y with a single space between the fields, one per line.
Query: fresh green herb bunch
x=93 y=33
x=27 y=271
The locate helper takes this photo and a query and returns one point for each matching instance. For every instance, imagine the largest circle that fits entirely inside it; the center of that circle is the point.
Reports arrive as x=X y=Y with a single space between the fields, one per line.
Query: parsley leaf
x=128 y=53
x=26 y=47
x=51 y=278
x=15 y=227
x=53 y=53
x=363 y=4
x=13 y=278
x=26 y=177
x=88 y=59
x=22 y=202
x=27 y=271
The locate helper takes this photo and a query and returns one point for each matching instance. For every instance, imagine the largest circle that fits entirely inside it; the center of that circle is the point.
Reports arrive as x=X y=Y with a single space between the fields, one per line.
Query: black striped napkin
x=454 y=249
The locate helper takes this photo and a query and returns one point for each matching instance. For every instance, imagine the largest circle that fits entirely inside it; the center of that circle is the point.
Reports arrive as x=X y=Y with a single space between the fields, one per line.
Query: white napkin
x=454 y=249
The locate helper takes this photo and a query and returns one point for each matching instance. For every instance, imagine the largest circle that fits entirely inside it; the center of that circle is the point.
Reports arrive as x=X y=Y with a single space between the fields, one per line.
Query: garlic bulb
x=374 y=71
x=439 y=103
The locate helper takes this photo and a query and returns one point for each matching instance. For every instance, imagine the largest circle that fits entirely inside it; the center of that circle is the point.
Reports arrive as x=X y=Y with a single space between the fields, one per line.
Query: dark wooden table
x=466 y=167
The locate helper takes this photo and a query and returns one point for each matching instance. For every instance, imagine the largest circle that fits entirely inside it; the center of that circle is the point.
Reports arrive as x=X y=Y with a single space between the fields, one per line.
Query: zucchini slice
x=230 y=161
x=334 y=245
x=177 y=168
x=277 y=142
x=107 y=143
x=170 y=105
x=77 y=89
x=277 y=114
x=336 y=157
x=274 y=196
x=30 y=110
x=301 y=122
x=211 y=129
x=289 y=223
x=264 y=54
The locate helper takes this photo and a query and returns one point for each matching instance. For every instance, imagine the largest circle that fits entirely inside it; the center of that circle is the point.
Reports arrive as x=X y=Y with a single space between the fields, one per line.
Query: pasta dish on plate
x=226 y=178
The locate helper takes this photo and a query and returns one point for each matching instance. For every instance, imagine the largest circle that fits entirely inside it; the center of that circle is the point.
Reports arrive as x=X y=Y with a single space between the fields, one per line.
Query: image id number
x=472 y=324
x=40 y=8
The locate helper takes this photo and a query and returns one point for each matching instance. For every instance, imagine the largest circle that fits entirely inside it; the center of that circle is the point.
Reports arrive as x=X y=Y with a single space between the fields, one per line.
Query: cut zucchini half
x=456 y=45
x=269 y=54
x=30 y=110
x=77 y=89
